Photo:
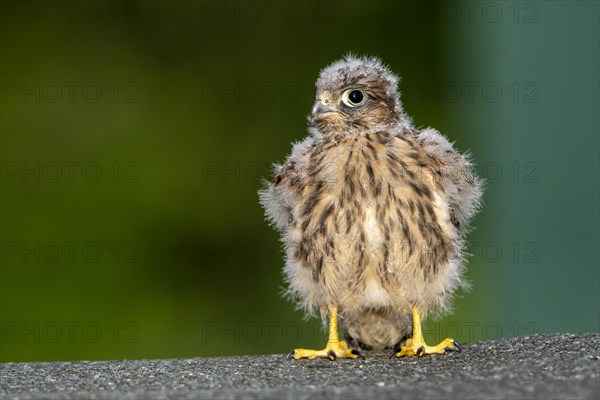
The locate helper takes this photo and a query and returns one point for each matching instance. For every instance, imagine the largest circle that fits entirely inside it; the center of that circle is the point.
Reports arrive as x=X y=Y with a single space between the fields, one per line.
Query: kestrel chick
x=372 y=212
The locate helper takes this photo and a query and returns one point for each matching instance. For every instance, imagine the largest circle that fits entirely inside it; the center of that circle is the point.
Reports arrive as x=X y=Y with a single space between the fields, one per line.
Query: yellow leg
x=334 y=349
x=416 y=345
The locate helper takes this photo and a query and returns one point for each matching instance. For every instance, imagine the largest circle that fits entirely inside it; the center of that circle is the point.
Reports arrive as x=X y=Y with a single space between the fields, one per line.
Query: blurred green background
x=134 y=135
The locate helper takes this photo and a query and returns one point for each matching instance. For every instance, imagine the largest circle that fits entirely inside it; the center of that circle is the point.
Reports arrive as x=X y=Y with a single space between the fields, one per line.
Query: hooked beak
x=319 y=109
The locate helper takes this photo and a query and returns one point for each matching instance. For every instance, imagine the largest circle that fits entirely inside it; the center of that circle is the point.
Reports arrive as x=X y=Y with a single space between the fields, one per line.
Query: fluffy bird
x=372 y=212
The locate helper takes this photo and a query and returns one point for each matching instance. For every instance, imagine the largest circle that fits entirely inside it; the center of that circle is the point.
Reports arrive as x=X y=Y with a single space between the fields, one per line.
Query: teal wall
x=133 y=136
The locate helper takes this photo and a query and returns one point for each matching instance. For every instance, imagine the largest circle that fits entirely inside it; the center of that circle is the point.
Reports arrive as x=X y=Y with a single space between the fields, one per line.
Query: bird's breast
x=370 y=209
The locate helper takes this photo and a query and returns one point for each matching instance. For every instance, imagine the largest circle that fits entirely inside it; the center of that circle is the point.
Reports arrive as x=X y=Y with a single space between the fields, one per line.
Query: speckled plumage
x=372 y=211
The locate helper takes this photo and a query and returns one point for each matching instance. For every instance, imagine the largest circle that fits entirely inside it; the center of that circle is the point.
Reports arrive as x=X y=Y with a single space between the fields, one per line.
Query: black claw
x=331 y=355
x=398 y=346
x=356 y=353
x=457 y=346
x=291 y=354
x=420 y=350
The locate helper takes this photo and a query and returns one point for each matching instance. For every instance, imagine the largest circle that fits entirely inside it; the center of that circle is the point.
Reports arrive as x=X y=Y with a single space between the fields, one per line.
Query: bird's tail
x=377 y=329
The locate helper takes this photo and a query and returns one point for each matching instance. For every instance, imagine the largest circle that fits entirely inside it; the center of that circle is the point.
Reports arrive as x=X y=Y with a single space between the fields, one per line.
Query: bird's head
x=355 y=93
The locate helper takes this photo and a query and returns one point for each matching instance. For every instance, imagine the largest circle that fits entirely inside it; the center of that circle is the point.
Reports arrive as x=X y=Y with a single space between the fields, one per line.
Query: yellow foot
x=333 y=351
x=420 y=348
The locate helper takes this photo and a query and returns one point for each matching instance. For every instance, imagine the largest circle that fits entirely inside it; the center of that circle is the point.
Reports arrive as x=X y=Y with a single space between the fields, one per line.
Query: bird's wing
x=280 y=196
x=454 y=175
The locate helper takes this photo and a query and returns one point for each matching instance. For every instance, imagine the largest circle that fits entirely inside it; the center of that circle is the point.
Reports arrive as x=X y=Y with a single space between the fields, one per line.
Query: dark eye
x=353 y=97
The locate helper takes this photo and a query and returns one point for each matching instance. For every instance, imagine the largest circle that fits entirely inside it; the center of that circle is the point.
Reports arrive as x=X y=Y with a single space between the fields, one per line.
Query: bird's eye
x=353 y=97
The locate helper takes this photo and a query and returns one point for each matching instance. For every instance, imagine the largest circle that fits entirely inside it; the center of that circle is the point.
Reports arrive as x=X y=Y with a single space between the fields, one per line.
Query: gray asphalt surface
x=548 y=367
